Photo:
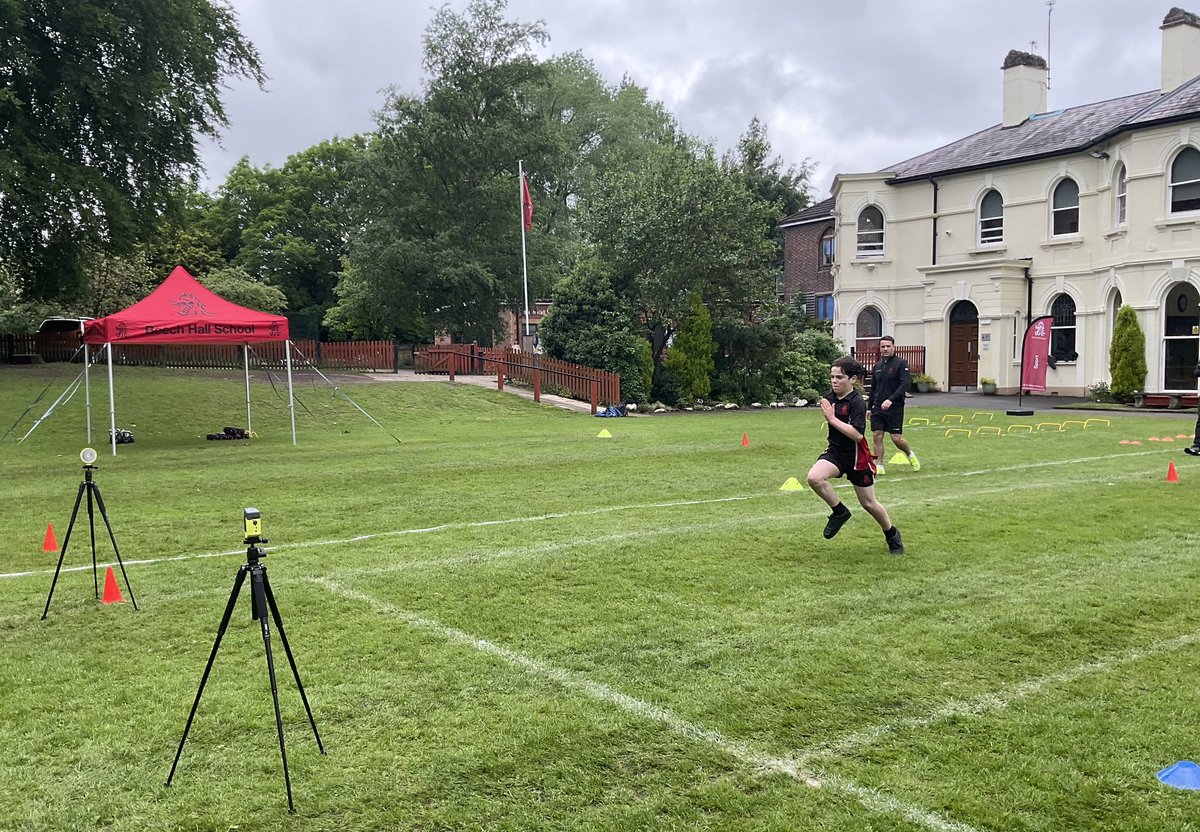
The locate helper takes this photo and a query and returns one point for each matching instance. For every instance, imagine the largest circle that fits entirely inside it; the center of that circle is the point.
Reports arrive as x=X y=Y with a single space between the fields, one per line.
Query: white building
x=1069 y=213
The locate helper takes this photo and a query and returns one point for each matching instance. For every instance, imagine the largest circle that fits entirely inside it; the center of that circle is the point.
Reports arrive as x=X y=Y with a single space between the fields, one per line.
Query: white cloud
x=853 y=86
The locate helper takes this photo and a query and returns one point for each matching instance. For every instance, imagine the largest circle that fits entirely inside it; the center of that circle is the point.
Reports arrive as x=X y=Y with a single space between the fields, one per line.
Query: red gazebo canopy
x=181 y=311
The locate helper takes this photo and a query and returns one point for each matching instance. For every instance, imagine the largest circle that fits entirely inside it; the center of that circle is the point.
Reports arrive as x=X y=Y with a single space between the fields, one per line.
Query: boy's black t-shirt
x=853 y=411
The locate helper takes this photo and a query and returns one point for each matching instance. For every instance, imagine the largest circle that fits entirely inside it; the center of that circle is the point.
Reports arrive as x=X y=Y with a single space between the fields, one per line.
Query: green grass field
x=504 y=622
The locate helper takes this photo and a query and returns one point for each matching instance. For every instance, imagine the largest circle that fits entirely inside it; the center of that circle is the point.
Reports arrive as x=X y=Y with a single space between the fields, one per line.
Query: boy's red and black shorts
x=862 y=479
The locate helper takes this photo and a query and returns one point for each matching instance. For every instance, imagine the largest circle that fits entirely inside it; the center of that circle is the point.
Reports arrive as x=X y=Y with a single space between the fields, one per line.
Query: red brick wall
x=802 y=271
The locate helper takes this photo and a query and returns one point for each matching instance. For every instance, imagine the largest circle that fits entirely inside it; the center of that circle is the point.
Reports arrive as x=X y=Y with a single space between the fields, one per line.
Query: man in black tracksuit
x=890 y=381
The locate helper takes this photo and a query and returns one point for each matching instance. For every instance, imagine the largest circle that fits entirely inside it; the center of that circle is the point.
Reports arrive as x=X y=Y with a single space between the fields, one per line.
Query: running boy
x=848 y=454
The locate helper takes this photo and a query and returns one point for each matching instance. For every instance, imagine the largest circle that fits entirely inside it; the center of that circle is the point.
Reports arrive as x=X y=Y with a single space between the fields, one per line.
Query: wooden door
x=964 y=355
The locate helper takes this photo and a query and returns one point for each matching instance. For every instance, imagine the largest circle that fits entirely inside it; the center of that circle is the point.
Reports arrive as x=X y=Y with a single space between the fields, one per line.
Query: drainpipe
x=1028 y=297
x=933 y=242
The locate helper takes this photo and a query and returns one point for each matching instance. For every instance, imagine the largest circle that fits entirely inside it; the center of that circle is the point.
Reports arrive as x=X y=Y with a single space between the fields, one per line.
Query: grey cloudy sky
x=852 y=85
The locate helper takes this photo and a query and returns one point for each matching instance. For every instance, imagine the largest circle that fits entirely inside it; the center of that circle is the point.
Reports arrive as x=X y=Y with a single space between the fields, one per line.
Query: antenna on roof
x=1049 y=16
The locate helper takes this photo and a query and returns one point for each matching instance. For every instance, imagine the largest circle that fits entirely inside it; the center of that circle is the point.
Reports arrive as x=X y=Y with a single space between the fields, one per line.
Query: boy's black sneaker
x=895 y=544
x=1194 y=450
x=836 y=521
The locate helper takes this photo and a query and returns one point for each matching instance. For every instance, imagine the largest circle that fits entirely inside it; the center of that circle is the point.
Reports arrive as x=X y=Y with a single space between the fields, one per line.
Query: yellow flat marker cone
x=792 y=484
x=604 y=434
x=898 y=459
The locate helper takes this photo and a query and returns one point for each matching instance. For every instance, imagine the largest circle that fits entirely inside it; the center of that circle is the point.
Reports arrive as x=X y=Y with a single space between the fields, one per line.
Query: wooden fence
x=576 y=381
x=915 y=356
x=378 y=356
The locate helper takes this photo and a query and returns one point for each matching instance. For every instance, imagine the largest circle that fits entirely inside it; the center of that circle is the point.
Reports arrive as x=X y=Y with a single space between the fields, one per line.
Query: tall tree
x=288 y=227
x=101 y=102
x=786 y=189
x=679 y=223
x=437 y=245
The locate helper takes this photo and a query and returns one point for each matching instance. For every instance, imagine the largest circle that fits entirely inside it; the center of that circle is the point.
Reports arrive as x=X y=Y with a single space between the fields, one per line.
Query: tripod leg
x=258 y=587
x=92 y=533
x=63 y=553
x=291 y=660
x=237 y=586
x=108 y=525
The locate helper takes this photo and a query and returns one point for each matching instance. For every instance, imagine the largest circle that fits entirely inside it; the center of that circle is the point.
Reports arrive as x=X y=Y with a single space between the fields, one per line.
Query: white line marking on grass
x=997 y=701
x=871 y=798
x=397 y=532
x=556 y=516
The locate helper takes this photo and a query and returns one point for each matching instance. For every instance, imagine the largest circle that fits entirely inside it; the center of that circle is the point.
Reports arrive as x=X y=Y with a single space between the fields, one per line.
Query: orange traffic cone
x=49 y=543
x=112 y=592
x=1171 y=475
x=745 y=440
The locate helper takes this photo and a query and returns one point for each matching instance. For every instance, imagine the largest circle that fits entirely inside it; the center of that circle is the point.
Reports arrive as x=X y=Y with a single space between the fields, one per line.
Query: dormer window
x=1185 y=181
x=1066 y=208
x=991 y=218
x=870 y=232
x=1119 y=195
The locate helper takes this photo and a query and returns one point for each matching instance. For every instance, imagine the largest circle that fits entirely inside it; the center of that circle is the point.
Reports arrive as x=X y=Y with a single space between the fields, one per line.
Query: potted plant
x=924 y=383
x=987 y=386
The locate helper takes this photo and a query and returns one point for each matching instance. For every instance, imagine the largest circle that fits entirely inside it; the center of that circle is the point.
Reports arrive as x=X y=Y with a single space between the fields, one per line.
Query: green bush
x=589 y=324
x=690 y=359
x=1127 y=356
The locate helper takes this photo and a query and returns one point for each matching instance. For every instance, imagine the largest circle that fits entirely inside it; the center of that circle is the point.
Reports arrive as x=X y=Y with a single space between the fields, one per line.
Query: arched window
x=870 y=232
x=867 y=331
x=1062 y=334
x=991 y=218
x=1185 y=181
x=827 y=248
x=1066 y=208
x=1119 y=195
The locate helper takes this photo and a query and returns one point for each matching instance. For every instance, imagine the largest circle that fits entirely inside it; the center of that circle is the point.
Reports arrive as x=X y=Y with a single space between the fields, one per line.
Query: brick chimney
x=1024 y=86
x=1180 y=48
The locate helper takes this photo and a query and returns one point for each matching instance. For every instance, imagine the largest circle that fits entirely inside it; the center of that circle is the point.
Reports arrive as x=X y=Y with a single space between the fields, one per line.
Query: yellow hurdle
x=1026 y=428
x=1072 y=422
x=1105 y=422
x=1057 y=425
x=917 y=420
x=989 y=428
x=953 y=431
x=950 y=416
x=986 y=413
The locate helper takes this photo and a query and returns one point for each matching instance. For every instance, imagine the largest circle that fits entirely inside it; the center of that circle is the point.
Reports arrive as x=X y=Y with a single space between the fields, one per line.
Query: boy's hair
x=888 y=338
x=849 y=367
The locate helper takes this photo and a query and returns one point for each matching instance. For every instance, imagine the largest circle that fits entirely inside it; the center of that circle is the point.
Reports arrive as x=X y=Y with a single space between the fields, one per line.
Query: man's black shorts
x=888 y=421
x=860 y=478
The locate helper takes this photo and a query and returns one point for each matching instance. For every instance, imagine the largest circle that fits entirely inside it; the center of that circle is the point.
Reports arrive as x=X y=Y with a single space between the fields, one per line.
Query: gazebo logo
x=122 y=330
x=188 y=305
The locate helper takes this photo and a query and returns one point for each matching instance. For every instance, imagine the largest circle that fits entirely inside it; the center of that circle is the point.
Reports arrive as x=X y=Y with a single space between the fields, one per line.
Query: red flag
x=1035 y=352
x=526 y=204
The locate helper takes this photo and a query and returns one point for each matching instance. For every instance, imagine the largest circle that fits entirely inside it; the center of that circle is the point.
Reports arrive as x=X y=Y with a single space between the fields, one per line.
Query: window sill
x=1065 y=241
x=1177 y=222
x=1114 y=233
x=988 y=250
x=870 y=262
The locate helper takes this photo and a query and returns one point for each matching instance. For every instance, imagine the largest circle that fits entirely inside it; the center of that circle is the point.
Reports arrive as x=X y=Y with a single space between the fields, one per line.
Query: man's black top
x=853 y=411
x=889 y=380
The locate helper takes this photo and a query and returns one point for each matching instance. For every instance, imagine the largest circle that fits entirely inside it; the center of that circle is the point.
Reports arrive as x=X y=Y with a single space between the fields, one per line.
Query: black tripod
x=92 y=489
x=261 y=597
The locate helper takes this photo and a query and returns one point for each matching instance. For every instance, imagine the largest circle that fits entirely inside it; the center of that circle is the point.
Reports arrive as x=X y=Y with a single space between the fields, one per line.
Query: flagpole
x=521 y=214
